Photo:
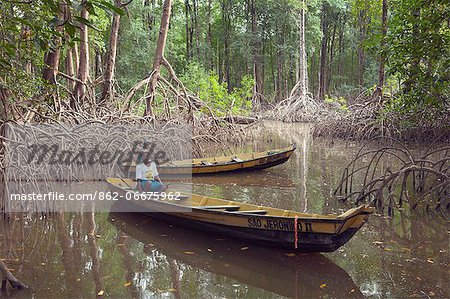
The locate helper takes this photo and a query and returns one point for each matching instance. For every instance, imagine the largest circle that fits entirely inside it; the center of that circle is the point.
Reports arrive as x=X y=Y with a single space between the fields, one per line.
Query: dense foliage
x=221 y=49
x=419 y=52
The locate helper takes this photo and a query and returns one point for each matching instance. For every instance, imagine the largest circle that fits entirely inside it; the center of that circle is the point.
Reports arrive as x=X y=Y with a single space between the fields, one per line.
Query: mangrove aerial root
x=78 y=123
x=28 y=152
x=366 y=116
x=9 y=277
x=298 y=108
x=407 y=181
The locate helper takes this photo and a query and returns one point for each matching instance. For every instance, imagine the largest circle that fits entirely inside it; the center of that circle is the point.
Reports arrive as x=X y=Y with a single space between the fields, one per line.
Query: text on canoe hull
x=275 y=224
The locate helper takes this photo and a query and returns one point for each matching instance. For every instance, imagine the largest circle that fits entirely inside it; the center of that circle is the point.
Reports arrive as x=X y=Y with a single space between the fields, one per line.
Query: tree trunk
x=98 y=64
x=323 y=53
x=331 y=51
x=361 y=54
x=313 y=72
x=341 y=50
x=6 y=111
x=188 y=48
x=69 y=67
x=191 y=30
x=209 y=39
x=303 y=67
x=220 y=61
x=51 y=60
x=226 y=60
x=279 y=91
x=262 y=64
x=196 y=28
x=283 y=67
x=83 y=64
x=381 y=72
x=159 y=55
x=258 y=87
x=108 y=85
x=76 y=57
x=272 y=67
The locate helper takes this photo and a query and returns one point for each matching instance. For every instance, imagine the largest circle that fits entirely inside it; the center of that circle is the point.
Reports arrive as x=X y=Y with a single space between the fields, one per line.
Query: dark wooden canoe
x=279 y=271
x=241 y=162
x=263 y=225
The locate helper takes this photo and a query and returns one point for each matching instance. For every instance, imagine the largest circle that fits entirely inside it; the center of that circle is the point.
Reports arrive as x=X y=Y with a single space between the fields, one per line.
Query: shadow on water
x=277 y=271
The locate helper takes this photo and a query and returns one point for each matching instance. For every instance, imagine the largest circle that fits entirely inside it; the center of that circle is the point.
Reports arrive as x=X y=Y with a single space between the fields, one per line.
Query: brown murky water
x=128 y=255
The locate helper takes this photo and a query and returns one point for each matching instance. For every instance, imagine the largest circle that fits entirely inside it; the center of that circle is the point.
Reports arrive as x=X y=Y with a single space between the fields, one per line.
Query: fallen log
x=240 y=120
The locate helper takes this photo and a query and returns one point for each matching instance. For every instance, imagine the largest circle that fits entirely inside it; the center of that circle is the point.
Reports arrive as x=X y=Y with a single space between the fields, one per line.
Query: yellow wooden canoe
x=275 y=270
x=258 y=224
x=240 y=162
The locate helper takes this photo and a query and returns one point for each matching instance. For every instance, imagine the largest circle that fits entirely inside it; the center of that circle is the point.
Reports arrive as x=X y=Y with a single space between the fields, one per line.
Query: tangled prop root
x=367 y=116
x=9 y=277
x=297 y=108
x=415 y=182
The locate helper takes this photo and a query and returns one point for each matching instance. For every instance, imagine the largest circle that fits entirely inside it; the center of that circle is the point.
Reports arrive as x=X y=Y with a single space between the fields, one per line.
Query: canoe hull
x=313 y=234
x=266 y=226
x=307 y=241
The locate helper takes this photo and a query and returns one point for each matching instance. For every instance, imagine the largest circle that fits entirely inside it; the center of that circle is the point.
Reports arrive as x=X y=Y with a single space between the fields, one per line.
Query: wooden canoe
x=263 y=225
x=275 y=270
x=238 y=162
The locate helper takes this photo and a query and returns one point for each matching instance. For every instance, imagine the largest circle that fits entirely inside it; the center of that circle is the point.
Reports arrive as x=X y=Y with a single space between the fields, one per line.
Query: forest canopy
x=231 y=53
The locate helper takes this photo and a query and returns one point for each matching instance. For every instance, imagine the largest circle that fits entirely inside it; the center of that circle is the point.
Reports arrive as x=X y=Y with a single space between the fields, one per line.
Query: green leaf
x=56 y=22
x=109 y=8
x=70 y=29
x=85 y=22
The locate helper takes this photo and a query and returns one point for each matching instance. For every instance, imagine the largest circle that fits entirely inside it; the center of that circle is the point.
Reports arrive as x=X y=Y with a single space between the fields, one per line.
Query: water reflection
x=260 y=178
x=278 y=271
x=76 y=255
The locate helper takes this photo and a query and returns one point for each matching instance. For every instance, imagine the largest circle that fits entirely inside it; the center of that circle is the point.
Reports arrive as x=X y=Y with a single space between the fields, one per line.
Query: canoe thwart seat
x=255 y=212
x=236 y=159
x=208 y=163
x=223 y=207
